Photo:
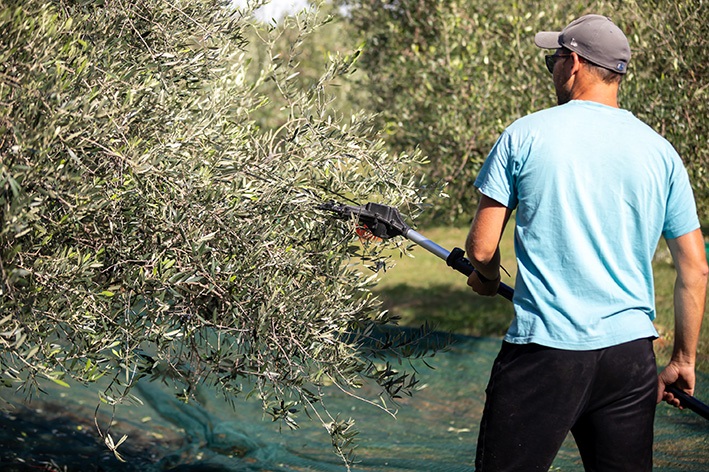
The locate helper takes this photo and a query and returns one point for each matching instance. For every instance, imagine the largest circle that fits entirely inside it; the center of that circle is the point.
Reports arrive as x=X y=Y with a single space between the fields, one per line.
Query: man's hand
x=483 y=286
x=682 y=375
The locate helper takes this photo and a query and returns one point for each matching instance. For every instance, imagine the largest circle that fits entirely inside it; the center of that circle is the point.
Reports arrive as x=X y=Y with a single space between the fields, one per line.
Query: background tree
x=149 y=226
x=308 y=52
x=670 y=84
x=448 y=76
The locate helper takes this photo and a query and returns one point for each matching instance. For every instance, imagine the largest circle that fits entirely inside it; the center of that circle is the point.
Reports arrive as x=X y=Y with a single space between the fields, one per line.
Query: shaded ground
x=449 y=307
x=434 y=431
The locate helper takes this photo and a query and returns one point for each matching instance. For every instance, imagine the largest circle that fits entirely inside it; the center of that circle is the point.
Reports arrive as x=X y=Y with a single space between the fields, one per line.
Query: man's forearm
x=482 y=243
x=689 y=305
x=689 y=294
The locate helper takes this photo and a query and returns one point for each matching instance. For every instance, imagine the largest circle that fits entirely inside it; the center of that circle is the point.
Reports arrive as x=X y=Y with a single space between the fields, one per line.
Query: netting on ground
x=435 y=430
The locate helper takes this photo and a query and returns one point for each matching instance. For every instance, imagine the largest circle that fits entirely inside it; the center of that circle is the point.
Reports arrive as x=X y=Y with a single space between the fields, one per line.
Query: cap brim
x=547 y=40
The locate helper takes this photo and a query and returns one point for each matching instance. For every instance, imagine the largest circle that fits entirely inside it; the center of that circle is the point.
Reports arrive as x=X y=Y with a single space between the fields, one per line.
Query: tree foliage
x=448 y=76
x=150 y=227
x=670 y=86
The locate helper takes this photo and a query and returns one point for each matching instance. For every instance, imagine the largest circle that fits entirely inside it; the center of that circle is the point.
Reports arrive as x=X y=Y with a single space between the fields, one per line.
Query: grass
x=423 y=289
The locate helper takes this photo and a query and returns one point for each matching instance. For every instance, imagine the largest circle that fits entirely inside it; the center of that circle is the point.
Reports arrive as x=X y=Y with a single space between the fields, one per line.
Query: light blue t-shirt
x=594 y=188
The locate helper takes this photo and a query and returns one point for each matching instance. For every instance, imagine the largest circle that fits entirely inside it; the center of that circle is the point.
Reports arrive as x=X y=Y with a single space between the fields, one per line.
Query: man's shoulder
x=587 y=113
x=545 y=118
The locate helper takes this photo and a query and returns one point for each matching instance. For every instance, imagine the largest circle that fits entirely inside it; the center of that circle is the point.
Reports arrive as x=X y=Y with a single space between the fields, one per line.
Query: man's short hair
x=607 y=76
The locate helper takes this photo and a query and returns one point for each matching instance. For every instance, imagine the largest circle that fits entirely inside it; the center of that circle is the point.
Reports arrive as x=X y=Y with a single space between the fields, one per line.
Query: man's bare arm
x=689 y=256
x=482 y=245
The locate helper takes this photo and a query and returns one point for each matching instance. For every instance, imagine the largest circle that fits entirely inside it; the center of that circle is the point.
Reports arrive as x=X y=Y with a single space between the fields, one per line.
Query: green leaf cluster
x=154 y=224
x=449 y=76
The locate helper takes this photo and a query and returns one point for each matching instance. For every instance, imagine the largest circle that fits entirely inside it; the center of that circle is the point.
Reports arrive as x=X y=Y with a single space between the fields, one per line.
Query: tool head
x=381 y=220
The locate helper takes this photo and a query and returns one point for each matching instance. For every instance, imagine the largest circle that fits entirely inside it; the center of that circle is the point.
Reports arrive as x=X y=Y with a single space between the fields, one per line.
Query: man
x=594 y=189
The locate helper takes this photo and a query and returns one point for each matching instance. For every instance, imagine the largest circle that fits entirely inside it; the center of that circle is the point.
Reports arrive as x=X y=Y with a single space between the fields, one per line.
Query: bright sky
x=276 y=8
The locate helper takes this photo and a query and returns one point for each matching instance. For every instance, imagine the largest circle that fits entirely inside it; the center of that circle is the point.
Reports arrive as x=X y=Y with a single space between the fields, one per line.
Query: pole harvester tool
x=386 y=222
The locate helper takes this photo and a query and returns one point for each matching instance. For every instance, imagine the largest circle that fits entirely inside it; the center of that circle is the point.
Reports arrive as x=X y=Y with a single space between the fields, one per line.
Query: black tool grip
x=688 y=401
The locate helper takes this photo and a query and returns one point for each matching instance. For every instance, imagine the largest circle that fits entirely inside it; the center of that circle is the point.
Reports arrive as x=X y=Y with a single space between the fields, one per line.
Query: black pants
x=536 y=395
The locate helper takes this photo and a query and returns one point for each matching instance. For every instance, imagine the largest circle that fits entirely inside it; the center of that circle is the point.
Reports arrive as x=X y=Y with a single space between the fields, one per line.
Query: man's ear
x=578 y=60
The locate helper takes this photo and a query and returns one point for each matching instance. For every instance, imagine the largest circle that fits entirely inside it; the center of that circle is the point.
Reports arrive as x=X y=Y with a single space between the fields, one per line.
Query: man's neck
x=595 y=91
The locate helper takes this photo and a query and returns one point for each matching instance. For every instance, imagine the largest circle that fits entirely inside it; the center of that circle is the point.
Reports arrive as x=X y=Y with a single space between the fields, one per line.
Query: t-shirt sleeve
x=496 y=179
x=681 y=211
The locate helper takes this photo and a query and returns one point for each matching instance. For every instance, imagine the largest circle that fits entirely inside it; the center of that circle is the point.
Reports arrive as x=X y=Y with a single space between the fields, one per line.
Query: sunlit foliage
x=149 y=227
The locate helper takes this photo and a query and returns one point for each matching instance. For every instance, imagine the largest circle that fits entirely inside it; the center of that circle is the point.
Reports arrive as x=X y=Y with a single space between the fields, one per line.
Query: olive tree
x=150 y=227
x=669 y=88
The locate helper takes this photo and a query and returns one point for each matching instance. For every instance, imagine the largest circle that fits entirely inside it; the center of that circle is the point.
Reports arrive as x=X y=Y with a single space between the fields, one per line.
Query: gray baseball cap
x=595 y=38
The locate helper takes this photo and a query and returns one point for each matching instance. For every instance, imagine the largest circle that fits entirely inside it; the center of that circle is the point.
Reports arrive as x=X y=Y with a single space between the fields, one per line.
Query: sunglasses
x=551 y=60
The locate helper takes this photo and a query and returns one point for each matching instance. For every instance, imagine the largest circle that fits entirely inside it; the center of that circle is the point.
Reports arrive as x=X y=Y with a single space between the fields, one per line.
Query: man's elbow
x=704 y=272
x=690 y=258
x=700 y=268
x=481 y=254
x=696 y=276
